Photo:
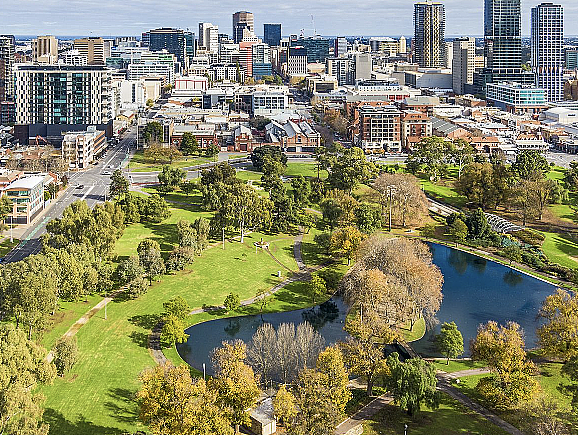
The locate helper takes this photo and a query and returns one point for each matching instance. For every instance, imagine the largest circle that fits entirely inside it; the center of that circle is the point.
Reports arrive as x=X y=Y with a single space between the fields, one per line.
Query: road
x=90 y=185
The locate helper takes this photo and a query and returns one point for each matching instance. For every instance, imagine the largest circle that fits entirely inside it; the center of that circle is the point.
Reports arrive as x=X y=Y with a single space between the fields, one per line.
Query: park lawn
x=561 y=249
x=564 y=212
x=282 y=250
x=457 y=365
x=294 y=169
x=450 y=418
x=443 y=193
x=6 y=246
x=416 y=334
x=66 y=316
x=246 y=175
x=556 y=173
x=96 y=397
x=139 y=163
x=313 y=254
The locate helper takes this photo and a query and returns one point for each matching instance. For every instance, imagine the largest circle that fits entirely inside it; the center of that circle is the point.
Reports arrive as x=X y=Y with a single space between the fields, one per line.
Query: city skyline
x=82 y=17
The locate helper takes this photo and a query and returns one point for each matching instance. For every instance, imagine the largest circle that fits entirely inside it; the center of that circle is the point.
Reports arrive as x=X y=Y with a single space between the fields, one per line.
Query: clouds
x=132 y=17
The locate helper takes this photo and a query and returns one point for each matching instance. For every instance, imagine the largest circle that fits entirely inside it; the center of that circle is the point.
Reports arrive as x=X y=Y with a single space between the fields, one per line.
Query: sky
x=331 y=17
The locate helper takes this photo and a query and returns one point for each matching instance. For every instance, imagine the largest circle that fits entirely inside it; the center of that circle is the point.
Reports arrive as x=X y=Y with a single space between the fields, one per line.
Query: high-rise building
x=92 y=48
x=243 y=24
x=297 y=61
x=261 y=60
x=63 y=94
x=209 y=37
x=190 y=44
x=7 y=49
x=45 y=49
x=171 y=40
x=572 y=59
x=340 y=47
x=503 y=43
x=464 y=65
x=272 y=34
x=547 y=39
x=317 y=48
x=429 y=36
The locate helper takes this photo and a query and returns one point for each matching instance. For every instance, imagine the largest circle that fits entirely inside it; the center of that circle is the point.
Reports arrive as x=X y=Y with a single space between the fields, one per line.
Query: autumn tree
x=330 y=362
x=23 y=367
x=284 y=406
x=170 y=402
x=558 y=335
x=485 y=184
x=234 y=381
x=345 y=242
x=503 y=349
x=449 y=341
x=401 y=198
x=412 y=383
x=317 y=413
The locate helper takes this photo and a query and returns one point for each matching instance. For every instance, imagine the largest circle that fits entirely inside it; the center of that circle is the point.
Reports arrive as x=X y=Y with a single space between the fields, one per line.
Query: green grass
x=66 y=315
x=444 y=192
x=557 y=173
x=139 y=163
x=96 y=397
x=6 y=246
x=451 y=418
x=564 y=212
x=416 y=334
x=561 y=249
x=457 y=365
x=304 y=169
x=313 y=255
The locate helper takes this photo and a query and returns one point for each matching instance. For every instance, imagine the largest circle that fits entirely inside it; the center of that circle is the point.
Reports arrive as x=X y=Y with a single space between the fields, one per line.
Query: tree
x=348 y=168
x=330 y=362
x=173 y=331
x=234 y=381
x=317 y=414
x=449 y=341
x=5 y=207
x=177 y=307
x=512 y=253
x=232 y=302
x=367 y=217
x=558 y=336
x=570 y=370
x=153 y=132
x=170 y=402
x=284 y=406
x=458 y=231
x=412 y=383
x=462 y=154
x=170 y=178
x=571 y=176
x=331 y=210
x=65 y=354
x=530 y=163
x=189 y=144
x=118 y=185
x=156 y=209
x=129 y=269
x=212 y=150
x=188 y=187
x=431 y=156
x=23 y=367
x=345 y=242
x=403 y=198
x=150 y=258
x=301 y=191
x=485 y=184
x=316 y=287
x=542 y=192
x=502 y=348
x=271 y=151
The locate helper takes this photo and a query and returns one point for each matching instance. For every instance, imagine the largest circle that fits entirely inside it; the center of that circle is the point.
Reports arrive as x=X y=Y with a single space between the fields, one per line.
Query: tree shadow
x=147 y=321
x=123 y=408
x=60 y=425
x=140 y=338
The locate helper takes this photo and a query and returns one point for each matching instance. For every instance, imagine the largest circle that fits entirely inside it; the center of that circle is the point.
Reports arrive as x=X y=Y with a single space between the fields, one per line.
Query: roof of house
x=26 y=183
x=264 y=413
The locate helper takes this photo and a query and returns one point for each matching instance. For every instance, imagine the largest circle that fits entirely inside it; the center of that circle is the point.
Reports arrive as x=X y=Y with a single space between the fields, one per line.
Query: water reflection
x=319 y=316
x=458 y=260
x=513 y=278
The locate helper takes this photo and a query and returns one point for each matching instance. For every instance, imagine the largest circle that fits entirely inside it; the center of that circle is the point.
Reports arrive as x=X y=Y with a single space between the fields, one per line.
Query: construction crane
x=36 y=140
x=312 y=28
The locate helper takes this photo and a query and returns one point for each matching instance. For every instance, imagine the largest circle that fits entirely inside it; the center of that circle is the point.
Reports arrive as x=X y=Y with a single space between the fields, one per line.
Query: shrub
x=530 y=237
x=180 y=258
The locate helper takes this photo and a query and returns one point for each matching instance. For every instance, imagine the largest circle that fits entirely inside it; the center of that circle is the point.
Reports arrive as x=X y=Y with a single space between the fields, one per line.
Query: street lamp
x=223 y=237
x=11 y=225
x=405 y=429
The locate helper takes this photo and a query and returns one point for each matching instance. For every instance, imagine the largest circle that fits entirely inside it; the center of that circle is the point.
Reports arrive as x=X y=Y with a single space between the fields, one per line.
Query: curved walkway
x=304 y=274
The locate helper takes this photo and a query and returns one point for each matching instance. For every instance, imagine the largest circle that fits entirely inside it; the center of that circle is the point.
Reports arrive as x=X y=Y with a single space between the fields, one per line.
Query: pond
x=475 y=291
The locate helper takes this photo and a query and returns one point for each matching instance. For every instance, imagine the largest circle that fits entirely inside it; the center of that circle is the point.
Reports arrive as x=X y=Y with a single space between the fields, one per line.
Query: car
x=105 y=172
x=80 y=186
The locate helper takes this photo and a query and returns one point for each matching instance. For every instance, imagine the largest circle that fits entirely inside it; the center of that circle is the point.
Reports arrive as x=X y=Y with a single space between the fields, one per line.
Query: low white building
x=80 y=148
x=560 y=115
